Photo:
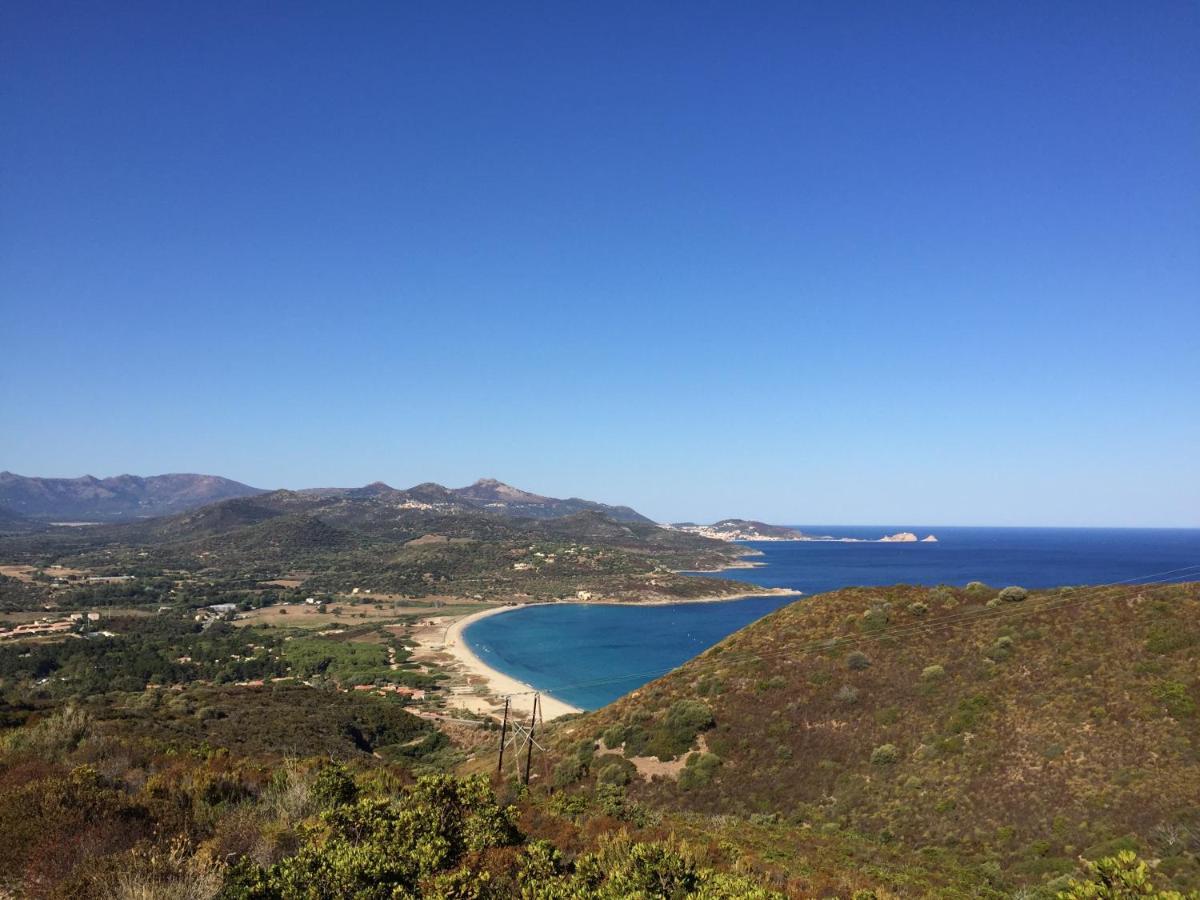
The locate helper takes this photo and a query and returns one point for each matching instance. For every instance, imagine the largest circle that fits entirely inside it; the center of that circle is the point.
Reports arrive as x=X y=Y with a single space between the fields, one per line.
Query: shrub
x=332 y=787
x=698 y=770
x=875 y=618
x=636 y=741
x=1014 y=594
x=689 y=716
x=885 y=755
x=613 y=773
x=977 y=587
x=933 y=673
x=568 y=771
x=858 y=661
x=614 y=736
x=1174 y=696
x=847 y=694
x=1116 y=878
x=675 y=734
x=918 y=608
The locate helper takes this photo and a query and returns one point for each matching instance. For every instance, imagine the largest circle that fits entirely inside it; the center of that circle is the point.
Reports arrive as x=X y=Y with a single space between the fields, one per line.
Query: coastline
x=499 y=684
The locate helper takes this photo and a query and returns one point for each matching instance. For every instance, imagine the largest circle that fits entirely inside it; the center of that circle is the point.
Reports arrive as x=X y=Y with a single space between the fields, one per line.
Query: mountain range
x=120 y=498
x=130 y=497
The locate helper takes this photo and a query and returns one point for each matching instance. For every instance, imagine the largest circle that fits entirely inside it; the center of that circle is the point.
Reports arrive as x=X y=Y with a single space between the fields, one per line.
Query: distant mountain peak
x=491 y=490
x=375 y=489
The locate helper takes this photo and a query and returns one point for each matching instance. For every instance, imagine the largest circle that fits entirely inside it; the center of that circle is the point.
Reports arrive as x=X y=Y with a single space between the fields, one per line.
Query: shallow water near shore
x=589 y=655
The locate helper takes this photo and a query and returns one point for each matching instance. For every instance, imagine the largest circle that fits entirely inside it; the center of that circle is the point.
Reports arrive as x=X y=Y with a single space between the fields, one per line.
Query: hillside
x=123 y=497
x=382 y=540
x=11 y=523
x=1020 y=733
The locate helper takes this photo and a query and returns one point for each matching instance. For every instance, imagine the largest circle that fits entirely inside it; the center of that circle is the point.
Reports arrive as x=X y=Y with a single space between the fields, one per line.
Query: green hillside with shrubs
x=1017 y=731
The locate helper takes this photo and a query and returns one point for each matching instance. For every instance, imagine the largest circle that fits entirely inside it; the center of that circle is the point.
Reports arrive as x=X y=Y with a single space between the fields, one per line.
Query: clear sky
x=929 y=263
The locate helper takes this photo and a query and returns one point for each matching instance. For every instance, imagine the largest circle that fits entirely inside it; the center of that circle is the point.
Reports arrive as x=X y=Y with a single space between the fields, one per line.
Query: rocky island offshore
x=750 y=530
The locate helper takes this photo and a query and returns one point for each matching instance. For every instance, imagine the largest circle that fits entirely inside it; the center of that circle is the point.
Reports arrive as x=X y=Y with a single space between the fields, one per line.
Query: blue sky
x=929 y=263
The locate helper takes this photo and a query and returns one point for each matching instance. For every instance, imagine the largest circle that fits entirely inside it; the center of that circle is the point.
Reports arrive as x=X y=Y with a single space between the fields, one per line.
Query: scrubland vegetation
x=1018 y=735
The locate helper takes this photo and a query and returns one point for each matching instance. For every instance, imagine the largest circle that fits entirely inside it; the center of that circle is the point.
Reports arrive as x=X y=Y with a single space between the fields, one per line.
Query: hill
x=381 y=540
x=498 y=496
x=1019 y=733
x=123 y=497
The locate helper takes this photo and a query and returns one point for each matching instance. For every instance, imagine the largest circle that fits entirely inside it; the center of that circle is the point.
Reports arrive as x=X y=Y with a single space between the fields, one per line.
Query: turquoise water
x=591 y=655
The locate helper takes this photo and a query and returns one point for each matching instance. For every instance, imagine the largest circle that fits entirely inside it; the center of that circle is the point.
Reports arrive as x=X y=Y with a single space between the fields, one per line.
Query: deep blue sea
x=591 y=655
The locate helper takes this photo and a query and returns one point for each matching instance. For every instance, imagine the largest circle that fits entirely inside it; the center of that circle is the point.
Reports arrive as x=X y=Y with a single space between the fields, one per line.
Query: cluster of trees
x=167 y=649
x=173 y=649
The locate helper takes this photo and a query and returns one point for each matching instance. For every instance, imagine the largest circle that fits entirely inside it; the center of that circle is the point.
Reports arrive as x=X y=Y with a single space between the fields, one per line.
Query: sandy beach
x=497 y=682
x=447 y=638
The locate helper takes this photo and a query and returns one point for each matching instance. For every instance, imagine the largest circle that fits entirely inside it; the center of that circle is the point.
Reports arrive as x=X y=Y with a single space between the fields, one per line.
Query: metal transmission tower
x=521 y=738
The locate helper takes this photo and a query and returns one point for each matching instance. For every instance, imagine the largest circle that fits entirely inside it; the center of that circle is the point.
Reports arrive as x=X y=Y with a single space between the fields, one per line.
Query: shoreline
x=499 y=684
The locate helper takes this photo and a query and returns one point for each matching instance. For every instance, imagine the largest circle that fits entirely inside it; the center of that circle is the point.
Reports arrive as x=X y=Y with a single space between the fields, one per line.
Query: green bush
x=613 y=773
x=614 y=736
x=933 y=673
x=698 y=770
x=847 y=694
x=885 y=755
x=1014 y=594
x=918 y=608
x=1120 y=877
x=1175 y=697
x=690 y=716
x=333 y=787
x=875 y=619
x=858 y=661
x=568 y=771
x=1000 y=650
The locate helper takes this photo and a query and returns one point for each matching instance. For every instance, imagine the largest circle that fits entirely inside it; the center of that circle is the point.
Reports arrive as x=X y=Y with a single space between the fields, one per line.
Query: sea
x=590 y=655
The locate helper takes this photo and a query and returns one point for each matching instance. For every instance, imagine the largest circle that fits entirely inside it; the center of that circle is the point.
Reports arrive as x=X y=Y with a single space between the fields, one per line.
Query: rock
x=929 y=540
x=903 y=537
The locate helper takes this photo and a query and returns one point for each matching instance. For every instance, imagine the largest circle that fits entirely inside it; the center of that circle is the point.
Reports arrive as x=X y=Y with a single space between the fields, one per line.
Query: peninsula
x=750 y=530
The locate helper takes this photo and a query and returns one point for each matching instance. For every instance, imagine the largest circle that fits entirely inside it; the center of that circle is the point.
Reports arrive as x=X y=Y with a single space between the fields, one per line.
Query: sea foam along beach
x=497 y=682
